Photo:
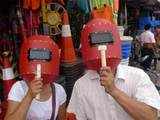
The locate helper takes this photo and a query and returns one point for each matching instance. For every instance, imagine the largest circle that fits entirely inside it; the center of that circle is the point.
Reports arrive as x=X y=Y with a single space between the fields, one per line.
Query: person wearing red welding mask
x=22 y=101
x=114 y=92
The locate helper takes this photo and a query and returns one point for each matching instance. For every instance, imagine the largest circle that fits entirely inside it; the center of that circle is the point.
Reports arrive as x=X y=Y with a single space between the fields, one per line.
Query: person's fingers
x=104 y=74
x=105 y=69
x=39 y=79
x=37 y=91
x=38 y=82
x=35 y=81
x=38 y=86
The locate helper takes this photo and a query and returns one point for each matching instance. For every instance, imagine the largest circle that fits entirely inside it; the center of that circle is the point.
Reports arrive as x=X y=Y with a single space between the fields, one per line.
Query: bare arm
x=136 y=109
x=62 y=112
x=18 y=110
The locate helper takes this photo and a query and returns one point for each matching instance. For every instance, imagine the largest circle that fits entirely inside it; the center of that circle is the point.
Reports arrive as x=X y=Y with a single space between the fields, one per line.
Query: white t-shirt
x=38 y=110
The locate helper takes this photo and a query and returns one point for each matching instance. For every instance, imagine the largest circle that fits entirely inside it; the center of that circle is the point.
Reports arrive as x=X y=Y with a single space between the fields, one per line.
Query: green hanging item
x=104 y=2
x=100 y=3
x=111 y=2
x=94 y=3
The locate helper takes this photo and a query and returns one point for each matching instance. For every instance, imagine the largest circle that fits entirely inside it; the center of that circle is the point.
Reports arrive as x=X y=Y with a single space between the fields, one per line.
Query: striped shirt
x=89 y=101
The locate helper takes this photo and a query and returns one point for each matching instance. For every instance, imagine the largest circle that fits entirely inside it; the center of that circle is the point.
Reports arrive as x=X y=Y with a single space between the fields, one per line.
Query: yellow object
x=52 y=13
x=53 y=18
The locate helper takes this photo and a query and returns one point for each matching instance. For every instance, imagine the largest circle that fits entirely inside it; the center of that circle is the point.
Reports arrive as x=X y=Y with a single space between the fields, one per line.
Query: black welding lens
x=98 y=38
x=39 y=54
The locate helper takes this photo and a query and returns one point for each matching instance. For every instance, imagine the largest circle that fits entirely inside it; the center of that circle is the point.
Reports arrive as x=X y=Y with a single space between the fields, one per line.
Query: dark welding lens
x=39 y=54
x=99 y=38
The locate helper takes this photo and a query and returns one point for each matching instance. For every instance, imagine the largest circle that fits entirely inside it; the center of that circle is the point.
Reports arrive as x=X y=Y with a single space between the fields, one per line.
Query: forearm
x=21 y=112
x=138 y=110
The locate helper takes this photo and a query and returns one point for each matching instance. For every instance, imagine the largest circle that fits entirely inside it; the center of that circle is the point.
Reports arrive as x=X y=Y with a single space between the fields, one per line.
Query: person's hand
x=35 y=87
x=107 y=79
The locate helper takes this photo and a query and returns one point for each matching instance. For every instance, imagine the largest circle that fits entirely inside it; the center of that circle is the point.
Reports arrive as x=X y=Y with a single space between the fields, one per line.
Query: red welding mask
x=102 y=32
x=39 y=50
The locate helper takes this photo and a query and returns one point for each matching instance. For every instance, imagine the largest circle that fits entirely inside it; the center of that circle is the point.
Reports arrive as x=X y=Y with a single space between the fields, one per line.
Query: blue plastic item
x=126 y=49
x=143 y=21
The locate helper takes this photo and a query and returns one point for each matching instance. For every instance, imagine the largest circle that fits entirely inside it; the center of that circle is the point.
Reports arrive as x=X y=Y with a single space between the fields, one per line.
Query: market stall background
x=18 y=22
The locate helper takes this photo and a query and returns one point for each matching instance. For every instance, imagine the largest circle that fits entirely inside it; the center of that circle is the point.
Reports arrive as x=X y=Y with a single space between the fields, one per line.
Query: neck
x=46 y=92
x=46 y=88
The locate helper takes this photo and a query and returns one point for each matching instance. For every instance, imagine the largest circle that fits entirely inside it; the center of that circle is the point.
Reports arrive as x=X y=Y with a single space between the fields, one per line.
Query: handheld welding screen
x=99 y=38
x=39 y=54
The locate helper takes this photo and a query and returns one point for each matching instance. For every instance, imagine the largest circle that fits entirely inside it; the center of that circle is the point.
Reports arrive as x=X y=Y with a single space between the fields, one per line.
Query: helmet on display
x=39 y=50
x=103 y=32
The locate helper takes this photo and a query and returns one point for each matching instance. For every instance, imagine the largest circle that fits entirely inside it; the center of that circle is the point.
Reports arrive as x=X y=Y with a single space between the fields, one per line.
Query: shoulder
x=150 y=33
x=131 y=73
x=17 y=91
x=131 y=69
x=19 y=85
x=58 y=87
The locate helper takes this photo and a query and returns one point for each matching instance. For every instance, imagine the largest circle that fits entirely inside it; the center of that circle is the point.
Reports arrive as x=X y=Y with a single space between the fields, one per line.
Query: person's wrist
x=112 y=89
x=30 y=95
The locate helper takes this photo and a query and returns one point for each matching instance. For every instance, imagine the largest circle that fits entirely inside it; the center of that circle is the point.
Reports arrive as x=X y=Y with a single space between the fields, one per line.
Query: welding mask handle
x=103 y=58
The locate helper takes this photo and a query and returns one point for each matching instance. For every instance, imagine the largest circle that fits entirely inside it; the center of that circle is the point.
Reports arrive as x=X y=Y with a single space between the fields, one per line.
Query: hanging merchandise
x=83 y=5
x=100 y=3
x=111 y=3
x=88 y=5
x=26 y=4
x=31 y=4
x=35 y=4
x=21 y=24
x=56 y=1
x=122 y=13
x=115 y=11
x=51 y=14
x=94 y=4
x=32 y=22
x=76 y=15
